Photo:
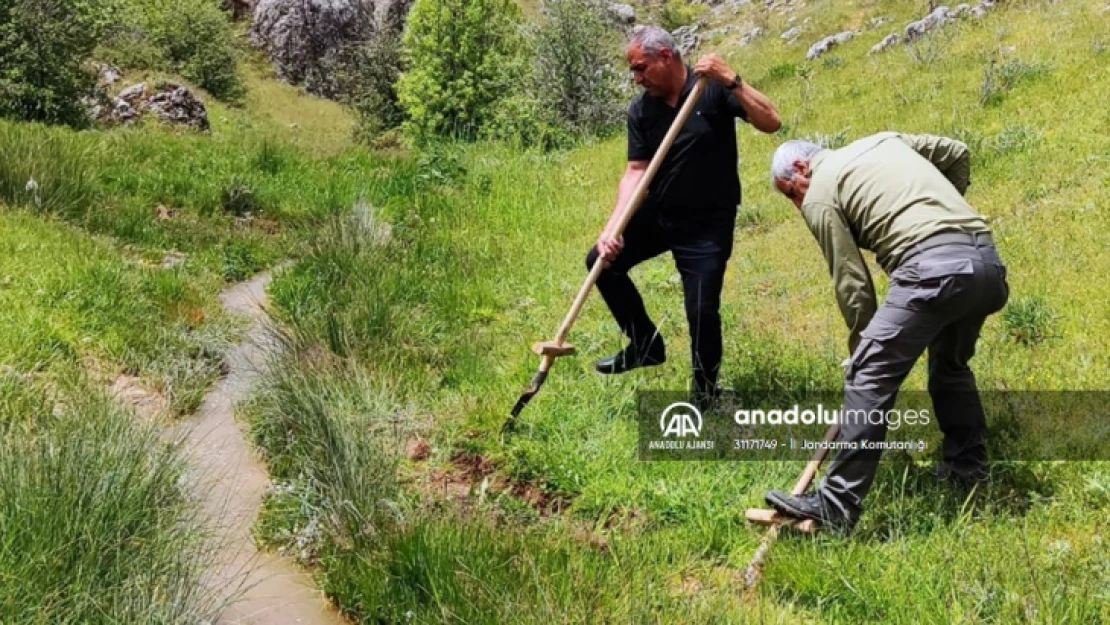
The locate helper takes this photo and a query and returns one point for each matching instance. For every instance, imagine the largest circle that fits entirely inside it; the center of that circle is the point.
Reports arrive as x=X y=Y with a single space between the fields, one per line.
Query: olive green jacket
x=884 y=193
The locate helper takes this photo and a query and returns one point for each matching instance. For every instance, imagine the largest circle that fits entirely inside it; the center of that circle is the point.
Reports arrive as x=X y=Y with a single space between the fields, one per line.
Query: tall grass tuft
x=94 y=527
x=332 y=439
x=46 y=169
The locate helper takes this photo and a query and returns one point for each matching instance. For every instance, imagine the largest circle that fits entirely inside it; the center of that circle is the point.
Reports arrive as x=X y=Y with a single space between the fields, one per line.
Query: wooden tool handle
x=633 y=204
x=811 y=468
x=755 y=568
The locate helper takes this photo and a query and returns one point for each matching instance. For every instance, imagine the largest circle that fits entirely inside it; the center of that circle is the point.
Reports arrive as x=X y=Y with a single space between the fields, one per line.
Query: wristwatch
x=736 y=82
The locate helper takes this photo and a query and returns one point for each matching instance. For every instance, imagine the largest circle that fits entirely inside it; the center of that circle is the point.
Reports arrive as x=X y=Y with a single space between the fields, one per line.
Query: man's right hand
x=608 y=247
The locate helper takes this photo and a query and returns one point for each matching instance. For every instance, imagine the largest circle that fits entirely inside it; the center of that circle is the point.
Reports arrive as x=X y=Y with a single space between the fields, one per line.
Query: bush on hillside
x=192 y=38
x=44 y=49
x=367 y=75
x=577 y=67
x=525 y=120
x=461 y=58
x=675 y=14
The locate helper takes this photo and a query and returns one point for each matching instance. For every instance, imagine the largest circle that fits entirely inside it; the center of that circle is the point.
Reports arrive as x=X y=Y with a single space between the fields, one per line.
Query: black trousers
x=701 y=244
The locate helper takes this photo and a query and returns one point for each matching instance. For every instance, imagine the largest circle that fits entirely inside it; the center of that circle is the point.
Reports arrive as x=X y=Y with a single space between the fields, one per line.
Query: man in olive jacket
x=901 y=197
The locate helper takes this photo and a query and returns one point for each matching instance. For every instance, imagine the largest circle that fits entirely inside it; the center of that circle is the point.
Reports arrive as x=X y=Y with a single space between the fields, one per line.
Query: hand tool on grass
x=761 y=516
x=550 y=350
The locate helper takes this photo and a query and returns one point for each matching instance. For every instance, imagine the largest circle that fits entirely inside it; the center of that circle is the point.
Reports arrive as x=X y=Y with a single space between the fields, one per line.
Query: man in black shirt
x=691 y=204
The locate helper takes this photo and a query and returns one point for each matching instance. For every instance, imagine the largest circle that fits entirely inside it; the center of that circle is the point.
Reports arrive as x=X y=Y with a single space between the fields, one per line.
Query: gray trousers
x=939 y=298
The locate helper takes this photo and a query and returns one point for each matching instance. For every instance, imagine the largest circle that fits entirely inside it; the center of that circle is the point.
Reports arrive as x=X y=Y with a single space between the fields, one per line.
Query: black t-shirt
x=700 y=171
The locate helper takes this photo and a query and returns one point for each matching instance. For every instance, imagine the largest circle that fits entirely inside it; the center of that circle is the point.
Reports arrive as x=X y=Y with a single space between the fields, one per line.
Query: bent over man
x=900 y=196
x=690 y=208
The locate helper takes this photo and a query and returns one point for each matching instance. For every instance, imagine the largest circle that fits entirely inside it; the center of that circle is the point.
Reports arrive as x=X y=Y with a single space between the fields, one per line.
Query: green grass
x=487 y=252
x=94 y=527
x=421 y=281
x=114 y=245
x=69 y=298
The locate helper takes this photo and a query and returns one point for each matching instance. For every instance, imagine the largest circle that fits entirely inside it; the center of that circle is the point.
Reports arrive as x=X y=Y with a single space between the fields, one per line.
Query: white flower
x=32 y=185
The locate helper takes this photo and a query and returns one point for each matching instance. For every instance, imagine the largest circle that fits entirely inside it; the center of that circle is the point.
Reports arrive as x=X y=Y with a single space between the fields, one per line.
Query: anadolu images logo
x=680 y=419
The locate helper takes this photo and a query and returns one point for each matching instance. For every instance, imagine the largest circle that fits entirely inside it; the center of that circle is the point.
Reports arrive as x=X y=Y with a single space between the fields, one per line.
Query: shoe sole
x=642 y=366
x=788 y=510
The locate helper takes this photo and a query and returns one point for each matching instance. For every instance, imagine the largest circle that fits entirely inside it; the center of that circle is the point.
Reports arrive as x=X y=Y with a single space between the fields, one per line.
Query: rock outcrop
x=938 y=18
x=307 y=38
x=169 y=102
x=828 y=43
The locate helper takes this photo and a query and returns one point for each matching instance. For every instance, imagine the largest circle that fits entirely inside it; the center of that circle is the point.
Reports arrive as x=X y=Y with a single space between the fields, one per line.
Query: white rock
x=622 y=13
x=888 y=42
x=828 y=43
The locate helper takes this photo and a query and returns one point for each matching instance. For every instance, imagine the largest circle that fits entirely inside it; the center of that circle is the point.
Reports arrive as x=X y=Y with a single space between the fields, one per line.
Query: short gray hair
x=653 y=40
x=782 y=163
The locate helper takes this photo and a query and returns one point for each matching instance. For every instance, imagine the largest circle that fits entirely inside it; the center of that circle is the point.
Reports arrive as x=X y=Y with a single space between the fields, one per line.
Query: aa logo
x=680 y=419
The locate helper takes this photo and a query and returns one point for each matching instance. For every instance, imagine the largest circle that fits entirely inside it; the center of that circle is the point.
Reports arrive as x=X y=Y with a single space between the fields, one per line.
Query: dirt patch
x=149 y=405
x=473 y=473
x=418 y=449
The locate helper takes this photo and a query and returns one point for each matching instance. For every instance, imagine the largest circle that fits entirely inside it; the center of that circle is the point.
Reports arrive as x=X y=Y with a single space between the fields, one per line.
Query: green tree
x=461 y=58
x=577 y=65
x=44 y=49
x=367 y=74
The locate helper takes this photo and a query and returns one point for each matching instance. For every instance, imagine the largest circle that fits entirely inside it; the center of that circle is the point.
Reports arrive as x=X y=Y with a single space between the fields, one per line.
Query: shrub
x=782 y=71
x=367 y=75
x=1016 y=138
x=190 y=37
x=461 y=57
x=998 y=80
x=238 y=198
x=526 y=122
x=44 y=46
x=678 y=13
x=577 y=66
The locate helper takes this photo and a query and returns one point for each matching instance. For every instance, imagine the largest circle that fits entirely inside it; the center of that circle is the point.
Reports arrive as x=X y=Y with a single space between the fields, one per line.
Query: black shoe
x=809 y=506
x=705 y=399
x=632 y=358
x=962 y=475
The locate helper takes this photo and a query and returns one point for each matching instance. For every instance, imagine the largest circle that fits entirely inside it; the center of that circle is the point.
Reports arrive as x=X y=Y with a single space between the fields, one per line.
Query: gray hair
x=782 y=163
x=653 y=39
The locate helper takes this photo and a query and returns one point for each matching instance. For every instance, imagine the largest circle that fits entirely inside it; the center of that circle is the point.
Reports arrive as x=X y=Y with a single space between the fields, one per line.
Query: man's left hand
x=715 y=68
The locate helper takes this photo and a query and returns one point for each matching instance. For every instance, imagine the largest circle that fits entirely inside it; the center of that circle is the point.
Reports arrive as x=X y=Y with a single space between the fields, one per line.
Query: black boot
x=633 y=357
x=809 y=506
x=706 y=392
x=963 y=475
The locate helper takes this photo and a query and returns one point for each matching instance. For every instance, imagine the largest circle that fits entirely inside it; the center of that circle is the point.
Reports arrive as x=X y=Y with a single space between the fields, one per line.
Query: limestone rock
x=752 y=35
x=828 y=43
x=686 y=37
x=622 y=13
x=171 y=103
x=888 y=42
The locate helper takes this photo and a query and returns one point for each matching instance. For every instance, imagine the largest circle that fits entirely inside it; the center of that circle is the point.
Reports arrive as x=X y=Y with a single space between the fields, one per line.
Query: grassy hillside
x=420 y=280
x=429 y=332
x=115 y=245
